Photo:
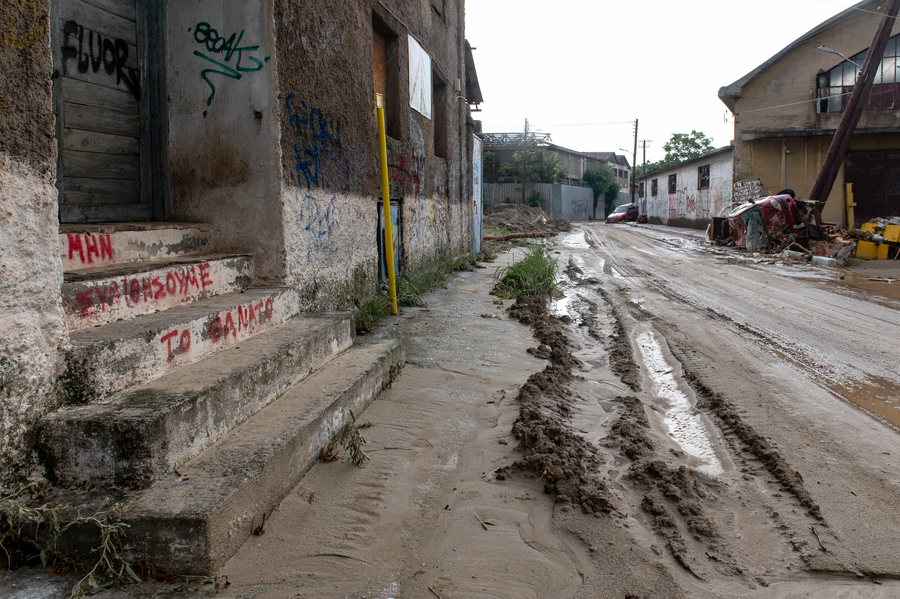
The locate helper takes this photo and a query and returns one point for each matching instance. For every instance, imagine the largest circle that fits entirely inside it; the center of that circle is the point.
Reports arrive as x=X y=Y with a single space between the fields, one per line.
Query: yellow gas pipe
x=386 y=203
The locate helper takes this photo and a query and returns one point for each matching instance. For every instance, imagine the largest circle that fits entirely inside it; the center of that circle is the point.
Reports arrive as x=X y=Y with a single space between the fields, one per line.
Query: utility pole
x=644 y=143
x=634 y=163
x=524 y=160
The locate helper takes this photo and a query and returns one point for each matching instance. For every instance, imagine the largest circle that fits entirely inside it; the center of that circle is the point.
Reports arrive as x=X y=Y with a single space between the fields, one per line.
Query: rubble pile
x=518 y=218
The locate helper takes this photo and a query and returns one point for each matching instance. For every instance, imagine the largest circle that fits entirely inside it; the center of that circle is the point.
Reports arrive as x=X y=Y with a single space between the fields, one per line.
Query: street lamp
x=825 y=48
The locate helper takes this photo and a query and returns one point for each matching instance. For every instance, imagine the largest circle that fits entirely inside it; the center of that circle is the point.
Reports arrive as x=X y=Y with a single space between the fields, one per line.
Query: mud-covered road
x=683 y=422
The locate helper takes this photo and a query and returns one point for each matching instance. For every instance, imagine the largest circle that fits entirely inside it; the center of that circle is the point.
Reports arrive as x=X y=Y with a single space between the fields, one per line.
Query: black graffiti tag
x=109 y=53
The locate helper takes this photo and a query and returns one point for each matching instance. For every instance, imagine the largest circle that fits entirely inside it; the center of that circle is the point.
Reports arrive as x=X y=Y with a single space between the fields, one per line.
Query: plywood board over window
x=99 y=103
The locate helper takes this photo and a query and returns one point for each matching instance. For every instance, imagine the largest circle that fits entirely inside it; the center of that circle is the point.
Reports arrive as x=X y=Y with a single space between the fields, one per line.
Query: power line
x=793 y=103
x=856 y=9
x=561 y=125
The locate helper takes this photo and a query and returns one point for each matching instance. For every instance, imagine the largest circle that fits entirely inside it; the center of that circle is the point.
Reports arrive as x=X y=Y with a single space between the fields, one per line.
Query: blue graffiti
x=216 y=44
x=322 y=162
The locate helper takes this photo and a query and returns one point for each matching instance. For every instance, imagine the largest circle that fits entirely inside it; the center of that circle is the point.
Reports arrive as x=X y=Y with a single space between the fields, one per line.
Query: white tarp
x=419 y=78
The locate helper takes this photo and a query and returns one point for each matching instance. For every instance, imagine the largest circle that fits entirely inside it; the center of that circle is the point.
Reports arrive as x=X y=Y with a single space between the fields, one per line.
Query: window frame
x=703 y=177
x=673 y=183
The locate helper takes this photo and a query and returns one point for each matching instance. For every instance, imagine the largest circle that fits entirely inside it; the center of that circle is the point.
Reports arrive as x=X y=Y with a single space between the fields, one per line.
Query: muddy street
x=684 y=422
x=681 y=421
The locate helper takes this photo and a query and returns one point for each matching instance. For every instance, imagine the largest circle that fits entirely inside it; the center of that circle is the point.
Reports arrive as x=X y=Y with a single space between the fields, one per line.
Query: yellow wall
x=775 y=111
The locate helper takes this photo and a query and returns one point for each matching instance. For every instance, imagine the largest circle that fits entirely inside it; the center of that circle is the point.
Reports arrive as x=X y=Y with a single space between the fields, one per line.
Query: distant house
x=688 y=192
x=787 y=110
x=619 y=164
x=504 y=147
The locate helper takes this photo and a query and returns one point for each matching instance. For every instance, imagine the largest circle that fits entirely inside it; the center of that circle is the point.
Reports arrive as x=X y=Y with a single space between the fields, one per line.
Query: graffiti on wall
x=134 y=291
x=236 y=324
x=89 y=247
x=404 y=175
x=690 y=206
x=225 y=54
x=322 y=162
x=108 y=53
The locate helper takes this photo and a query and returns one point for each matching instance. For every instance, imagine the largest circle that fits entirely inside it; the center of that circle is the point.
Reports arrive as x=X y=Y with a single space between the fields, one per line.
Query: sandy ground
x=683 y=421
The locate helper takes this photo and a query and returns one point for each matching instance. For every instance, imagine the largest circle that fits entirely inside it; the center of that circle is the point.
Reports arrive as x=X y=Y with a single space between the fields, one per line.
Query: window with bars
x=654 y=187
x=673 y=183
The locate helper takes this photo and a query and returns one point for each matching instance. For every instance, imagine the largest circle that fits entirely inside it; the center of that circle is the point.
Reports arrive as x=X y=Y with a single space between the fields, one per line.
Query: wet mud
x=566 y=462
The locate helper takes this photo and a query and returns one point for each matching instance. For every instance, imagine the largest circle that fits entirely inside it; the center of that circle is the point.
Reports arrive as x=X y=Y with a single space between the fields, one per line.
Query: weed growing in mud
x=372 y=311
x=110 y=569
x=394 y=372
x=535 y=274
x=412 y=287
x=350 y=437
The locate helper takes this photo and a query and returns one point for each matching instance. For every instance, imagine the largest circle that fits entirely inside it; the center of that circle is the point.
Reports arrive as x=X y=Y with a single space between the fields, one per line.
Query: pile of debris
x=520 y=220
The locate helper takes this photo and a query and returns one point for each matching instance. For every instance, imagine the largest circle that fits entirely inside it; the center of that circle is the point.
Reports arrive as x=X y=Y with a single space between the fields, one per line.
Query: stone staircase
x=196 y=399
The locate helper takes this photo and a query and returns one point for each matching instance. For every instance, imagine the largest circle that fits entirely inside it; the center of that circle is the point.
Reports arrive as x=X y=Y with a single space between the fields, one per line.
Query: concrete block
x=108 y=359
x=144 y=433
x=792 y=255
x=824 y=261
x=99 y=296
x=85 y=246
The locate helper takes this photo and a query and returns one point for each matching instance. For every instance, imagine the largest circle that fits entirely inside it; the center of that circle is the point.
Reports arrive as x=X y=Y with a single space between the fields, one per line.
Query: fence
x=566 y=202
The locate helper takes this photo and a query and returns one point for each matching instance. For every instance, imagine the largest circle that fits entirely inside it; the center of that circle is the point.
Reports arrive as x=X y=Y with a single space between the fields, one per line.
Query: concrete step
x=192 y=522
x=108 y=359
x=195 y=522
x=98 y=296
x=143 y=434
x=83 y=246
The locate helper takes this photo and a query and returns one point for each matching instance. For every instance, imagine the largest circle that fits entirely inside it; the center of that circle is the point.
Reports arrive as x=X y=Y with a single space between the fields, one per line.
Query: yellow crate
x=870 y=227
x=882 y=251
x=866 y=250
x=892 y=232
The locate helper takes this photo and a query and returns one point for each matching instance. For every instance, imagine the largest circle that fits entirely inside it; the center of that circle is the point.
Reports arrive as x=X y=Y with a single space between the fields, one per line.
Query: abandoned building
x=692 y=190
x=180 y=181
x=787 y=110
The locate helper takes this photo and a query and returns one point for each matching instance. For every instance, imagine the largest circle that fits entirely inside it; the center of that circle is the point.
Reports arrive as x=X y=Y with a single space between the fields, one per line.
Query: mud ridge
x=621 y=354
x=567 y=463
x=789 y=478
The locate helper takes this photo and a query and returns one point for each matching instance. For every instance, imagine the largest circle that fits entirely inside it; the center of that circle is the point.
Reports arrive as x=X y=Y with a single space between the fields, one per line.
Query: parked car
x=623 y=213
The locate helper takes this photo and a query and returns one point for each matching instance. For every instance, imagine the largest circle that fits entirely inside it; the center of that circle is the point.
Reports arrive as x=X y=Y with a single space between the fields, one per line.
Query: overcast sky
x=564 y=64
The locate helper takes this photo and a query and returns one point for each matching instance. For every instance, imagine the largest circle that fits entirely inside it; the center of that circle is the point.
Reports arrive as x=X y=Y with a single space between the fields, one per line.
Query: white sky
x=576 y=62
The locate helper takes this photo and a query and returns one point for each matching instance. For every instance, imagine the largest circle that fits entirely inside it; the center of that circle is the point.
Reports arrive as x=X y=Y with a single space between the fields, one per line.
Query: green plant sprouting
x=534 y=274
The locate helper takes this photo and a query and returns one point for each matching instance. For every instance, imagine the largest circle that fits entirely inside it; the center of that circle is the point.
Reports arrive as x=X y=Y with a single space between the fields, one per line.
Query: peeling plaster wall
x=223 y=128
x=32 y=325
x=330 y=165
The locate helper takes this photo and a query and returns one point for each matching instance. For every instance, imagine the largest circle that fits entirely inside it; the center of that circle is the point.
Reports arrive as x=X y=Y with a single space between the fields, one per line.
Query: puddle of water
x=876 y=396
x=849 y=279
x=685 y=426
x=560 y=305
x=576 y=240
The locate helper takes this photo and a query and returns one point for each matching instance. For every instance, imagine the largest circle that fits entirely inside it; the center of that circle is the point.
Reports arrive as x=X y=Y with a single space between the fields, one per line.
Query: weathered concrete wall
x=223 y=127
x=688 y=201
x=330 y=170
x=32 y=324
x=776 y=111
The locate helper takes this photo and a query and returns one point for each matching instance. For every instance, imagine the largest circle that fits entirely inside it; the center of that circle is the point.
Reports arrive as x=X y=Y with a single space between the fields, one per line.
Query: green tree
x=681 y=147
x=543 y=166
x=602 y=182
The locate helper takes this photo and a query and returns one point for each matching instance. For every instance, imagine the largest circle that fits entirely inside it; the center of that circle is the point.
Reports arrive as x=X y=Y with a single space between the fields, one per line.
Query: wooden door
x=99 y=99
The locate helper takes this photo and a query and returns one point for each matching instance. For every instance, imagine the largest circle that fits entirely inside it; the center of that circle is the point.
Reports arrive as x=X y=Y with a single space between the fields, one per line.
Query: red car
x=623 y=213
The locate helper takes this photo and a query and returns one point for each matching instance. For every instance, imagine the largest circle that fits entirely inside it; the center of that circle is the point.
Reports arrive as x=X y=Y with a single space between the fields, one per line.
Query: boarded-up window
x=439 y=111
x=703 y=177
x=386 y=75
